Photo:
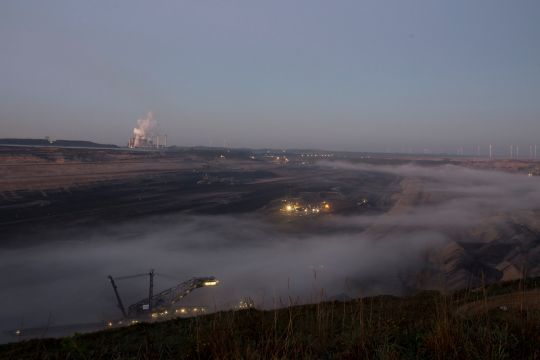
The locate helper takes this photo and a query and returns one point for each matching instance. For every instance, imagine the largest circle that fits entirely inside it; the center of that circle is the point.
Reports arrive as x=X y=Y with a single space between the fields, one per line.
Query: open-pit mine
x=267 y=224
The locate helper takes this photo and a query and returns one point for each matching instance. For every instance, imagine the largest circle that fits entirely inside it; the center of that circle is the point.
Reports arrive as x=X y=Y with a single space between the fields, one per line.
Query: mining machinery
x=161 y=302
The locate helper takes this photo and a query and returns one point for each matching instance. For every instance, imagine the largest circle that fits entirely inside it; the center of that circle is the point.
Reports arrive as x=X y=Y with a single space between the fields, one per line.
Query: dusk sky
x=352 y=75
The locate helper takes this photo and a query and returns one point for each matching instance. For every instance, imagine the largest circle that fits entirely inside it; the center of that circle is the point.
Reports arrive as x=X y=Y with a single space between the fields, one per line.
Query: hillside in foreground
x=501 y=321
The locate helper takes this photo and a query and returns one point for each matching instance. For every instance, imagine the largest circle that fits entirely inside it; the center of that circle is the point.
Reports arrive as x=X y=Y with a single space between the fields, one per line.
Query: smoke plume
x=144 y=129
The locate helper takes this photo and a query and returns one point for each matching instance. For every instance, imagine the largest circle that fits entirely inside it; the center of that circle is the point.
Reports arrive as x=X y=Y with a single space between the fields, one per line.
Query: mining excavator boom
x=164 y=300
x=169 y=297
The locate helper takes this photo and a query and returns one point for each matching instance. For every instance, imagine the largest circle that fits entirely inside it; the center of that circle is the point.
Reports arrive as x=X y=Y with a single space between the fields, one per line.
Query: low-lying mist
x=64 y=280
x=449 y=195
x=68 y=278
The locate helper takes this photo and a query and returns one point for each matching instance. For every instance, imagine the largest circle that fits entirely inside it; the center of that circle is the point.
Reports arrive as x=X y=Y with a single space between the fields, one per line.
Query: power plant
x=155 y=142
x=145 y=135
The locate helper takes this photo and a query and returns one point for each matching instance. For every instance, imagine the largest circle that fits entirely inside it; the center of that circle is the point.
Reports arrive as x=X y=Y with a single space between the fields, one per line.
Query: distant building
x=154 y=142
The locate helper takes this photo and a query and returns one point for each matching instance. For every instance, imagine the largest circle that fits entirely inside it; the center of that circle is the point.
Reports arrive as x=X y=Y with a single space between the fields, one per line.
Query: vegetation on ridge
x=426 y=325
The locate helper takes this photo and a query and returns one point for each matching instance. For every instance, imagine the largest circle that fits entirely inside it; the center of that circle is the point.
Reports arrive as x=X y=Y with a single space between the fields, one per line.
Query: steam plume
x=145 y=129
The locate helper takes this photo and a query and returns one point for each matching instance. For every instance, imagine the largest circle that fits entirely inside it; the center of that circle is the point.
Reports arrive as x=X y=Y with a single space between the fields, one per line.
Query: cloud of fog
x=247 y=253
x=358 y=255
x=449 y=195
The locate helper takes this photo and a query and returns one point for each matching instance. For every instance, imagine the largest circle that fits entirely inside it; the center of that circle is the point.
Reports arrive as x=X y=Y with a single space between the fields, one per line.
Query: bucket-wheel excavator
x=164 y=302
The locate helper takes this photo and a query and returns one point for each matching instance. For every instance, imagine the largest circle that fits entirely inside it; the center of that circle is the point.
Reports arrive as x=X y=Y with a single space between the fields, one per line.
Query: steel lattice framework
x=169 y=297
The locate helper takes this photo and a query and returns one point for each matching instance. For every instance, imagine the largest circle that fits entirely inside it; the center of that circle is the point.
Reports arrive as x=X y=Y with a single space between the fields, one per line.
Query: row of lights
x=295 y=207
x=154 y=316
x=317 y=155
x=121 y=322
x=178 y=311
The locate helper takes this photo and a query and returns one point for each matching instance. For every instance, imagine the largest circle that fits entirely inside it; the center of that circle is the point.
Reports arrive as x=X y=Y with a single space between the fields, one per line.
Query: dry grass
x=384 y=327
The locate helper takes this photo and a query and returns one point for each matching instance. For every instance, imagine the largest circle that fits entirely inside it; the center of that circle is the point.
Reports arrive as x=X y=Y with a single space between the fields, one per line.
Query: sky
x=342 y=75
